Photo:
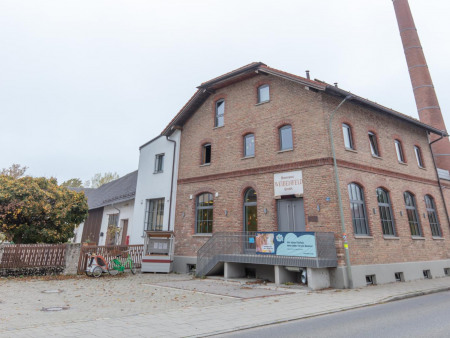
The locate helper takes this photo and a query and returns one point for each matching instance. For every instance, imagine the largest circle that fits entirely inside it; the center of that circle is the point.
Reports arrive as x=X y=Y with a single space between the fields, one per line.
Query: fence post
x=71 y=258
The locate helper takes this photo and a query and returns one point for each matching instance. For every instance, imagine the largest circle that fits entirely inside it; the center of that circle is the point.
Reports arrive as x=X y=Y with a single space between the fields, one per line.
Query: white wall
x=151 y=185
x=125 y=212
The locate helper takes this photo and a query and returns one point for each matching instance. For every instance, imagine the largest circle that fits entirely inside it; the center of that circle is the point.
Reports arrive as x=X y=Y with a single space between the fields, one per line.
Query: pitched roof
x=252 y=69
x=120 y=190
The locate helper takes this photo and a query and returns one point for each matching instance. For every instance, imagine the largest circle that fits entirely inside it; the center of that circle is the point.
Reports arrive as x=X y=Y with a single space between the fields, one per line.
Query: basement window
x=371 y=280
x=447 y=271
x=191 y=268
x=399 y=277
x=427 y=274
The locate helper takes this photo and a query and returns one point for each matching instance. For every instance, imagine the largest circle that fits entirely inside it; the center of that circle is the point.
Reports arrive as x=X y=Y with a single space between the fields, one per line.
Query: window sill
x=391 y=237
x=423 y=168
x=218 y=127
x=363 y=237
x=205 y=165
x=260 y=103
x=158 y=172
x=437 y=238
x=402 y=163
x=419 y=238
x=202 y=235
x=247 y=157
x=377 y=157
x=285 y=150
x=351 y=150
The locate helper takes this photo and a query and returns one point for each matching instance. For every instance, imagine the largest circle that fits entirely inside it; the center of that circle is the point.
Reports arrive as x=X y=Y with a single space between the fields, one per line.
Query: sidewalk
x=203 y=313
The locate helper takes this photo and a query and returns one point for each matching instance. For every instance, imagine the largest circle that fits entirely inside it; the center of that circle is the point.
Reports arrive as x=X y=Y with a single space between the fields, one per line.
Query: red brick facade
x=229 y=174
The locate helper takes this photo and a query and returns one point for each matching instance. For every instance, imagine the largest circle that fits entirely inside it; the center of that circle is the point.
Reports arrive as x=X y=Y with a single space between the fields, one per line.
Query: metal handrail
x=226 y=245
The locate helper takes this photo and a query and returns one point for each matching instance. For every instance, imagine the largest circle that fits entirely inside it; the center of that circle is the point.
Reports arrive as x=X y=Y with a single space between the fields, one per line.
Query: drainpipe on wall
x=437 y=174
x=171 y=182
x=338 y=188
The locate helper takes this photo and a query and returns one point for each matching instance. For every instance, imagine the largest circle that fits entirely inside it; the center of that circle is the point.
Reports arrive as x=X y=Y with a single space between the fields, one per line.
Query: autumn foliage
x=38 y=210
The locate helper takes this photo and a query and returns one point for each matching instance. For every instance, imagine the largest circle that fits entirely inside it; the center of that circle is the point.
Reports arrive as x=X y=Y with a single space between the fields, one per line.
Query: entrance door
x=291 y=215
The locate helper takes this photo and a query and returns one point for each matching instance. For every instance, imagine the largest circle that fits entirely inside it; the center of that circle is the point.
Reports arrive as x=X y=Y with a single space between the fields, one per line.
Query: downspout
x=437 y=174
x=341 y=210
x=171 y=182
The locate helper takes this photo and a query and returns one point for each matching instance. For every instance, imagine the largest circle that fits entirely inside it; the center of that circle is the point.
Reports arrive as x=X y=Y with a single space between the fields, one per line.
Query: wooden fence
x=111 y=251
x=16 y=256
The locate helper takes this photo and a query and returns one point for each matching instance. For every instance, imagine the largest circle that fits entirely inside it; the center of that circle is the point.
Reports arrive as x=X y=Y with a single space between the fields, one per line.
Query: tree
x=72 y=183
x=15 y=170
x=98 y=179
x=38 y=210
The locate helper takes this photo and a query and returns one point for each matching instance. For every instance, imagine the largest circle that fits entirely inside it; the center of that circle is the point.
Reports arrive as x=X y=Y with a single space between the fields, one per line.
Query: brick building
x=244 y=130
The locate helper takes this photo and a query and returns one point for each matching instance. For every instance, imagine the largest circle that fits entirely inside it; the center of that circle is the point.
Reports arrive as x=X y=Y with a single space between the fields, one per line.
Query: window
x=159 y=163
x=113 y=229
x=399 y=151
x=204 y=213
x=263 y=93
x=384 y=206
x=348 y=140
x=250 y=214
x=432 y=216
x=154 y=214
x=411 y=211
x=220 y=111
x=206 y=154
x=286 y=138
x=358 y=208
x=373 y=144
x=249 y=145
x=418 y=156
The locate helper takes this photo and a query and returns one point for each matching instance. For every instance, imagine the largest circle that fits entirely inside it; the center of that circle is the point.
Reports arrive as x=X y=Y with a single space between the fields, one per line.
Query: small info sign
x=290 y=183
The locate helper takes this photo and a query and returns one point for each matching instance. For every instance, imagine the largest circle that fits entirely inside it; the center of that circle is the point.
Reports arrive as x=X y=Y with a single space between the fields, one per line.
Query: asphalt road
x=425 y=316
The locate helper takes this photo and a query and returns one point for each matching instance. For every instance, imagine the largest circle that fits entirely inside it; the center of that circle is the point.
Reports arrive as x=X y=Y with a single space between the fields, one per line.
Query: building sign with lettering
x=298 y=244
x=290 y=183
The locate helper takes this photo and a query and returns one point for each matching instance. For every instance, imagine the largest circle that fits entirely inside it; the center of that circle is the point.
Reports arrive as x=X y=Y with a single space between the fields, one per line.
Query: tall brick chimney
x=424 y=94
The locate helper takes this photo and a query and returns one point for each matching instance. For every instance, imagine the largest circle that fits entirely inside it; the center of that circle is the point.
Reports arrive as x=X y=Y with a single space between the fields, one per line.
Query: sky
x=84 y=83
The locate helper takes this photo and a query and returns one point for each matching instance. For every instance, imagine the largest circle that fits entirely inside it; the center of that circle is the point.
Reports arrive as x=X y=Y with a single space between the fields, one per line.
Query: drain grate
x=52 y=291
x=54 y=308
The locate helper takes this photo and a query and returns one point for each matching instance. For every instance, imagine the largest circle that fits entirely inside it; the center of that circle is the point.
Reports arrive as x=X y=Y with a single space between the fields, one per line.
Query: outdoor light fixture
x=226 y=212
x=318 y=207
x=265 y=210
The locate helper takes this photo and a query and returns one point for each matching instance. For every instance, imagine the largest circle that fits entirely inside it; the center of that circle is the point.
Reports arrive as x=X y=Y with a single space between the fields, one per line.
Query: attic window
x=263 y=93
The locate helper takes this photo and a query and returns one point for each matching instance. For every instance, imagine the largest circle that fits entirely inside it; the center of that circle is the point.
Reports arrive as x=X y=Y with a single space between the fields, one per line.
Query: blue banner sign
x=298 y=244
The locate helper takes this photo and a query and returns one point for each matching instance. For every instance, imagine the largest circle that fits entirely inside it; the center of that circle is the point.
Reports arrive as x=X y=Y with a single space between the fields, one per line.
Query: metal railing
x=239 y=247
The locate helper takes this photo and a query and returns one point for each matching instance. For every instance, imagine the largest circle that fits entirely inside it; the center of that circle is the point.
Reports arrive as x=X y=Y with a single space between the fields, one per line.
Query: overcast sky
x=84 y=83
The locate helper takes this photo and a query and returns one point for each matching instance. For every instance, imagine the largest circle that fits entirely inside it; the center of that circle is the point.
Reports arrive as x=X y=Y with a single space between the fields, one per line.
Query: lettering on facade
x=290 y=183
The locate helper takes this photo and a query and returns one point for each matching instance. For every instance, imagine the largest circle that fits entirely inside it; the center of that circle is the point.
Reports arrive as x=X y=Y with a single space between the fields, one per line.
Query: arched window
x=250 y=213
x=413 y=217
x=286 y=137
x=206 y=153
x=249 y=145
x=373 y=144
x=204 y=213
x=432 y=216
x=418 y=156
x=263 y=93
x=399 y=151
x=384 y=206
x=358 y=207
x=348 y=139
x=220 y=111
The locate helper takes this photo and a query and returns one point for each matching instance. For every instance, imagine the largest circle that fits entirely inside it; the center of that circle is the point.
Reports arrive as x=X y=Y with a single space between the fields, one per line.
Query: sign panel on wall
x=298 y=244
x=289 y=183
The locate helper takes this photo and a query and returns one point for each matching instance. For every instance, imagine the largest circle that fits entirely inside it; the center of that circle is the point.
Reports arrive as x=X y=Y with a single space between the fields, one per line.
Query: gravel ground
x=22 y=300
x=83 y=298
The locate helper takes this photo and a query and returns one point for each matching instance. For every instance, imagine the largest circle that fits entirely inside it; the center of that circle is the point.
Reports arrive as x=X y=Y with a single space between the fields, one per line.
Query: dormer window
x=220 y=111
x=263 y=93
